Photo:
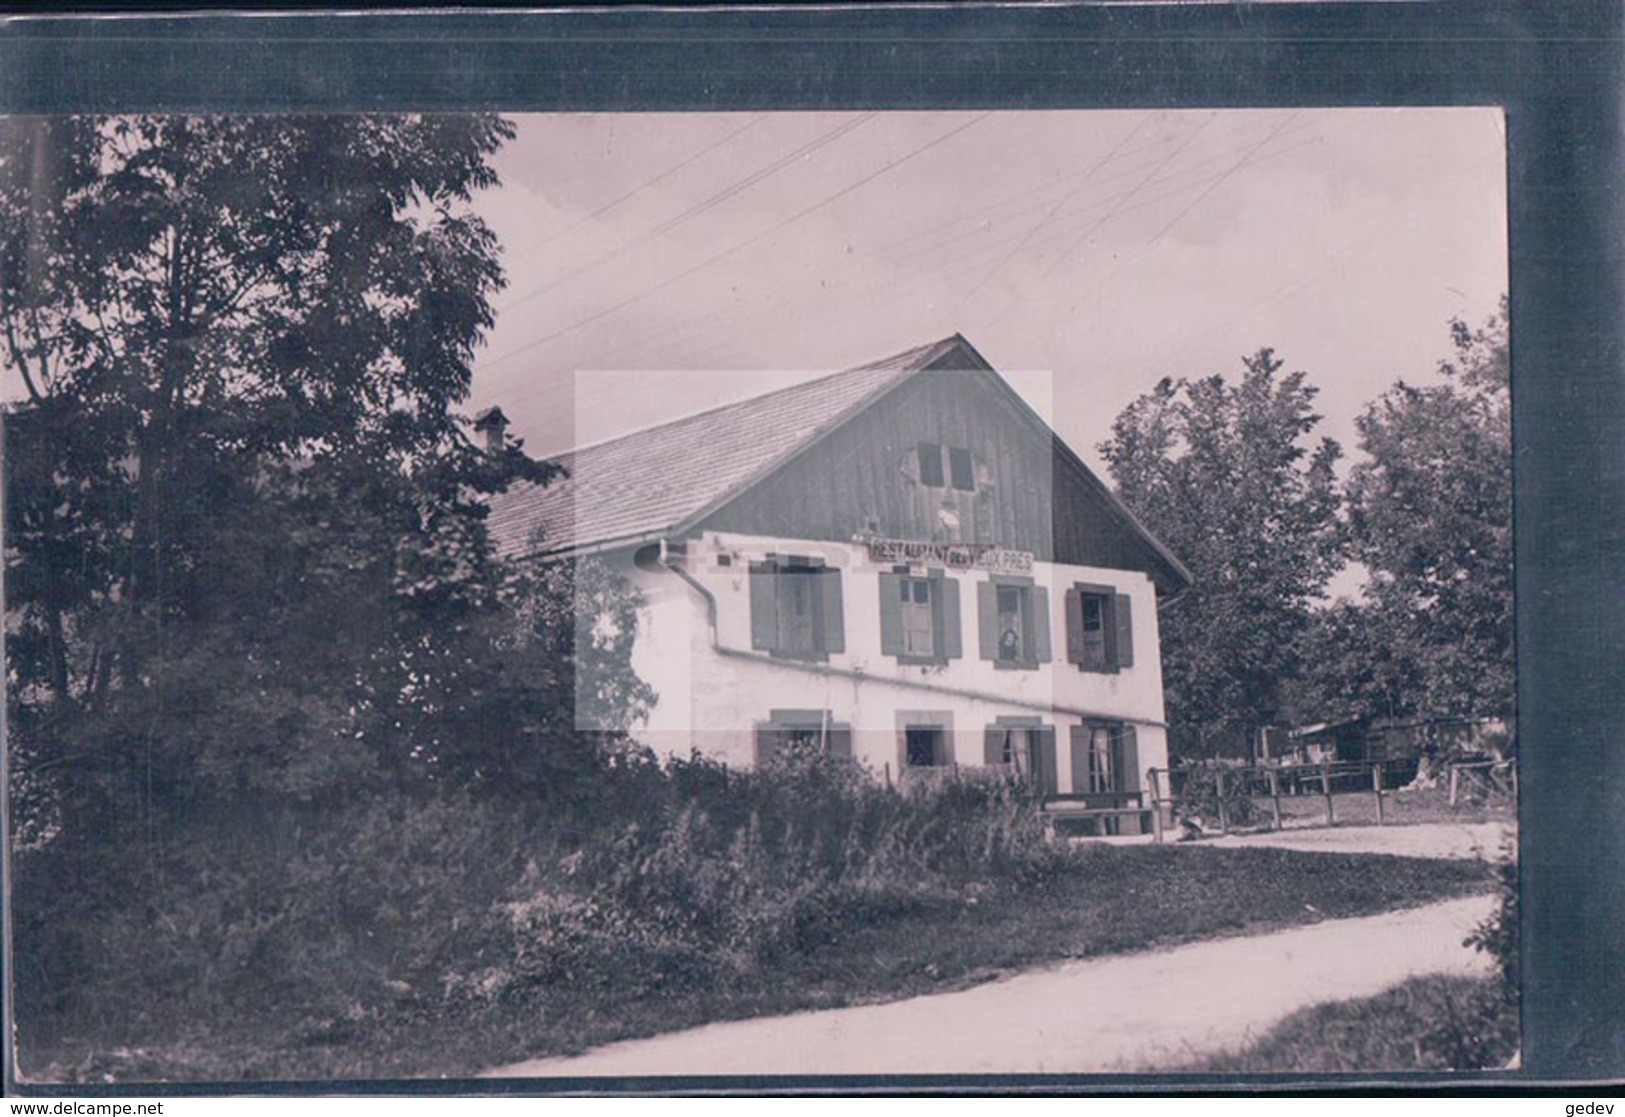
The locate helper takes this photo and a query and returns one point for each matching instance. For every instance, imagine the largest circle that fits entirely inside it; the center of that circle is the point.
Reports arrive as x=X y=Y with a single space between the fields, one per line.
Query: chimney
x=494 y=425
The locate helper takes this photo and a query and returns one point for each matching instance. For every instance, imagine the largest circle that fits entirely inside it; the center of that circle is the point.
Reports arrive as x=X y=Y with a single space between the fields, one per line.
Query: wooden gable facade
x=952 y=454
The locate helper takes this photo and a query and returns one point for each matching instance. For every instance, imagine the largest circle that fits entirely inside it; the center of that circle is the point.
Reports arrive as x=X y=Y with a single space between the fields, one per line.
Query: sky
x=659 y=264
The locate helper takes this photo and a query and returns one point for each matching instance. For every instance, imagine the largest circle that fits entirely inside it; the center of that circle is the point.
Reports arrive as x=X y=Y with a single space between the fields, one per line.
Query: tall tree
x=1225 y=473
x=238 y=483
x=1430 y=516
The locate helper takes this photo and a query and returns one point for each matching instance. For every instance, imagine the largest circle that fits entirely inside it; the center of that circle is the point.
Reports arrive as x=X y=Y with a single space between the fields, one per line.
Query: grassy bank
x=1427 y=1023
x=1088 y=901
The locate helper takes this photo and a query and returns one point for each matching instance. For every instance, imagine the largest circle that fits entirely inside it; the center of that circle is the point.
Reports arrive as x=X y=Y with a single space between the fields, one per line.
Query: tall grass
x=303 y=923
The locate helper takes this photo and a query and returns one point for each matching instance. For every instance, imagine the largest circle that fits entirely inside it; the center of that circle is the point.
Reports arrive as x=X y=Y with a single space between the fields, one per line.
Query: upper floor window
x=1099 y=628
x=946 y=467
x=919 y=622
x=796 y=608
x=919 y=617
x=1013 y=622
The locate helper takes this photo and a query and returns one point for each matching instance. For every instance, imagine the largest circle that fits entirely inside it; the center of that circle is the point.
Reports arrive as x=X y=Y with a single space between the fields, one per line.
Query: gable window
x=1099 y=628
x=946 y=467
x=1013 y=622
x=802 y=731
x=919 y=617
x=795 y=608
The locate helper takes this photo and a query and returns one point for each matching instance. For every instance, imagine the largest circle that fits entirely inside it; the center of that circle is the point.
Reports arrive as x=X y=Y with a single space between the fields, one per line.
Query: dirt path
x=1129 y=1012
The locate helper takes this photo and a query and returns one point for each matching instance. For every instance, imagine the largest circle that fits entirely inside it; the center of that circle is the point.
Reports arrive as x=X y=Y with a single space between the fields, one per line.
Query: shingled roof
x=645 y=484
x=661 y=481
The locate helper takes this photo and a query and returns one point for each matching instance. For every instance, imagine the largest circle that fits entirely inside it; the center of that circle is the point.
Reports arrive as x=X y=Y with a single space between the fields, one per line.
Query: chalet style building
x=901 y=562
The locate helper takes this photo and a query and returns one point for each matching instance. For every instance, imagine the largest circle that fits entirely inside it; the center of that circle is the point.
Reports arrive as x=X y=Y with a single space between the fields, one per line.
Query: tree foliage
x=1224 y=473
x=1430 y=517
x=246 y=548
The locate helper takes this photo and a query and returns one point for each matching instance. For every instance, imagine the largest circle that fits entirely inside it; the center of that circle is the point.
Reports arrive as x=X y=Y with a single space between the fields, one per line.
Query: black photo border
x=1554 y=67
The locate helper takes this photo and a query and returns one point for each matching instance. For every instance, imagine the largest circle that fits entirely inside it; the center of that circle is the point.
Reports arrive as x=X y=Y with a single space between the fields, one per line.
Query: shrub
x=722 y=872
x=1497 y=936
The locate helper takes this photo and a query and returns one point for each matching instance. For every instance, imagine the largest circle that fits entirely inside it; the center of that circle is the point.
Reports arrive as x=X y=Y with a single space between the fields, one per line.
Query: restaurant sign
x=955 y=556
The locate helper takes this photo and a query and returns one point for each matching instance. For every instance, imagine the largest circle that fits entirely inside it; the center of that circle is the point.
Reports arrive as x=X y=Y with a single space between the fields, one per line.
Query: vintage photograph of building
x=554 y=596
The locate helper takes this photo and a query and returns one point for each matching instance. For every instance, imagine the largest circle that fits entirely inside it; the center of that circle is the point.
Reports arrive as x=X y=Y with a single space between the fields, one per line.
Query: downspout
x=674 y=564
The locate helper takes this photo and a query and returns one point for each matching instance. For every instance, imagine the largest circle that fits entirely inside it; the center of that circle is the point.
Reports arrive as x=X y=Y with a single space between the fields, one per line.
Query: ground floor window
x=802 y=730
x=1105 y=759
x=1024 y=747
x=924 y=739
x=924 y=746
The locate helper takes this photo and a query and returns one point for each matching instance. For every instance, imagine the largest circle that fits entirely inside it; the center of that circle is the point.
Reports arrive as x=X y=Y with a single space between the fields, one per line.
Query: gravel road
x=1145 y=1011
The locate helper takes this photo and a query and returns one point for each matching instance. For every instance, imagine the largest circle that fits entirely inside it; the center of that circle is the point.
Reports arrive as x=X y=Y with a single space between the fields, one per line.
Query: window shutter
x=769 y=742
x=891 y=615
x=993 y=746
x=764 y=607
x=1124 y=618
x=960 y=472
x=987 y=619
x=1127 y=759
x=830 y=602
x=1074 y=626
x=1042 y=652
x=1048 y=777
x=1080 y=759
x=930 y=464
x=950 y=644
x=840 y=743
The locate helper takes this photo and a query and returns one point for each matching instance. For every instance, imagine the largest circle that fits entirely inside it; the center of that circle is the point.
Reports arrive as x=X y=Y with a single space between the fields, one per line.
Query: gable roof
x=644 y=484
x=660 y=481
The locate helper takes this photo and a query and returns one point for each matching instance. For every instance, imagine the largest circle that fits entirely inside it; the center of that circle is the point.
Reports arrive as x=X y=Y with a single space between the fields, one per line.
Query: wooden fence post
x=1376 y=786
x=1156 y=804
x=1326 y=788
x=1455 y=783
x=1218 y=794
x=1275 y=796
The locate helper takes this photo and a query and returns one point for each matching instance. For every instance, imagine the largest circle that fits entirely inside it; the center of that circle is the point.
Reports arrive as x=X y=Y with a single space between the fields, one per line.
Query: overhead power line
x=531 y=245
x=708 y=203
x=741 y=246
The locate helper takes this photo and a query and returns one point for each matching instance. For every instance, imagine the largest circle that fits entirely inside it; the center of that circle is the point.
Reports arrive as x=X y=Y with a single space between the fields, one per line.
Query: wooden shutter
x=769 y=743
x=891 y=614
x=1126 y=759
x=1123 y=617
x=1039 y=621
x=840 y=743
x=993 y=745
x=833 y=609
x=987 y=619
x=764 y=607
x=1049 y=778
x=950 y=644
x=1080 y=759
x=960 y=473
x=930 y=464
x=1074 y=626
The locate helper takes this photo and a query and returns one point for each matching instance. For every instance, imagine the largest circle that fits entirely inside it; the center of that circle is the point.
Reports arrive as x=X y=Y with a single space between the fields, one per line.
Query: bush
x=721 y=873
x=293 y=925
x=1497 y=936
